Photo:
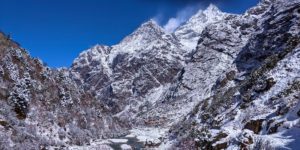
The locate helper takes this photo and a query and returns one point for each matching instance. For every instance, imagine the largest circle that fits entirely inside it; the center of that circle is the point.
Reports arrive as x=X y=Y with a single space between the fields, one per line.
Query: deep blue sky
x=58 y=30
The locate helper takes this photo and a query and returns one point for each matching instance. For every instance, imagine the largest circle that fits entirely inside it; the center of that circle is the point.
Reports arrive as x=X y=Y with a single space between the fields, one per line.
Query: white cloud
x=172 y=24
x=158 y=18
x=181 y=17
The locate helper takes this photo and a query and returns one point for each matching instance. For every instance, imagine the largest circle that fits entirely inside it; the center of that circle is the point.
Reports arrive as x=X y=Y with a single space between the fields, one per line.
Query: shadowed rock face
x=250 y=99
x=44 y=107
x=276 y=36
x=220 y=81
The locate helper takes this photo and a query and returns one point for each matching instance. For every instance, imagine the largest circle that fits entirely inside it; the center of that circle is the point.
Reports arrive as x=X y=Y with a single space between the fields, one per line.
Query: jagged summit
x=150 y=27
x=212 y=8
x=94 y=54
x=189 y=33
x=146 y=33
x=151 y=24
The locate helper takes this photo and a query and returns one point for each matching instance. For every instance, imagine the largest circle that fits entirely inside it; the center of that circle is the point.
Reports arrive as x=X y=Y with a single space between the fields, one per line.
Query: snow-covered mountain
x=220 y=81
x=122 y=75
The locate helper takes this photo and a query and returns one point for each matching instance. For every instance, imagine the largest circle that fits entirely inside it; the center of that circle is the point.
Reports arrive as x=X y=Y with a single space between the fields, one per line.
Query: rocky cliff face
x=220 y=81
x=131 y=72
x=253 y=101
x=42 y=107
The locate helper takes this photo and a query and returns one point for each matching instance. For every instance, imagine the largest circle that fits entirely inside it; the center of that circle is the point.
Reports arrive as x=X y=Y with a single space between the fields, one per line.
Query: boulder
x=254 y=125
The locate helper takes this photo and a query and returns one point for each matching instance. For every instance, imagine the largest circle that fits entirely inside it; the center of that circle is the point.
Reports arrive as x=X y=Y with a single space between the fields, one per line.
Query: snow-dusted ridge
x=220 y=81
x=185 y=36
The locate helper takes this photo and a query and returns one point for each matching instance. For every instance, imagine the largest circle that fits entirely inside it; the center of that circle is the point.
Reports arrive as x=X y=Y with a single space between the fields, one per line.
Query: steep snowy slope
x=254 y=103
x=127 y=76
x=220 y=81
x=219 y=44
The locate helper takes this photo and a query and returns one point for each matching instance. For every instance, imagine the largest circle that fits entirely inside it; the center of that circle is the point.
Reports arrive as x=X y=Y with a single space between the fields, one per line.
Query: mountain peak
x=95 y=53
x=150 y=26
x=189 y=32
x=151 y=22
x=212 y=8
x=146 y=32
